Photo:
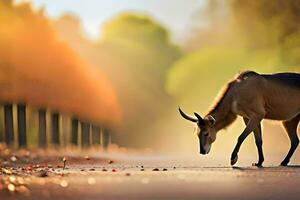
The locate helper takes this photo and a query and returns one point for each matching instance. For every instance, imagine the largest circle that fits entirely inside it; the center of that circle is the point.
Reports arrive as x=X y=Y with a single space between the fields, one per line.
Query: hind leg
x=291 y=129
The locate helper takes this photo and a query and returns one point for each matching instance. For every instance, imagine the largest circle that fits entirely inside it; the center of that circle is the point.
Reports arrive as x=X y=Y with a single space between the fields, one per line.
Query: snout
x=203 y=152
x=205 y=149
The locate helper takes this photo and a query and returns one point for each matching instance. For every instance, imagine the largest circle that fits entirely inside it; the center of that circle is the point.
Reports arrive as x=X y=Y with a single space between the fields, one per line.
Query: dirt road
x=121 y=181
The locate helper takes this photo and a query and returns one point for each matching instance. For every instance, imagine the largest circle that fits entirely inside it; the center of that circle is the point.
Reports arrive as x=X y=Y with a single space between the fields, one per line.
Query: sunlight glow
x=94 y=13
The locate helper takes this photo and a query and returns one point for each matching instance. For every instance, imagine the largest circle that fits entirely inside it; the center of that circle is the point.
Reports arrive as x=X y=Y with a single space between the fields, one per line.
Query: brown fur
x=255 y=97
x=258 y=97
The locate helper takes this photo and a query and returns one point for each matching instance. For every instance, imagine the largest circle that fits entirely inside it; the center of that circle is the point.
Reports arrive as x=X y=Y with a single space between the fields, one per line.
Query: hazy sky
x=174 y=14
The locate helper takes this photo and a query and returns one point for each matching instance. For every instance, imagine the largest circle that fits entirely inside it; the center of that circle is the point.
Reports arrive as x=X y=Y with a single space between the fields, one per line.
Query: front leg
x=251 y=126
x=258 y=142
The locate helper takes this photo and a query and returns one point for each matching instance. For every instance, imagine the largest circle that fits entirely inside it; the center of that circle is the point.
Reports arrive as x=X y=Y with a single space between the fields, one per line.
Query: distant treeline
x=151 y=74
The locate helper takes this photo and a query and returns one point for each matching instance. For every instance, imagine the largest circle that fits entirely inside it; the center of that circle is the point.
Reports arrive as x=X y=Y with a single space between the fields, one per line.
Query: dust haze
x=133 y=73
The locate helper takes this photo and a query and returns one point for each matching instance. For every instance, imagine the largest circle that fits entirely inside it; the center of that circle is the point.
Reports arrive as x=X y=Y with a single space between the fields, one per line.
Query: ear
x=211 y=120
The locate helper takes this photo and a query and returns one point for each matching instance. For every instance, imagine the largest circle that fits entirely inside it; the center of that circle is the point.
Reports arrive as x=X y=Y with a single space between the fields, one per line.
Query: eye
x=205 y=134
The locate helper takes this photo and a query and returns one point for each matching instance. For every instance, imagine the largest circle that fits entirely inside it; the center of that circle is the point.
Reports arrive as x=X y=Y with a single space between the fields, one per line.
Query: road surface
x=116 y=180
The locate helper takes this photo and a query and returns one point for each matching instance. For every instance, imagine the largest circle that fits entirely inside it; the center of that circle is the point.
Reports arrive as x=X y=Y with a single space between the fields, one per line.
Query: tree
x=141 y=52
x=32 y=53
x=252 y=26
x=272 y=24
x=142 y=43
x=196 y=78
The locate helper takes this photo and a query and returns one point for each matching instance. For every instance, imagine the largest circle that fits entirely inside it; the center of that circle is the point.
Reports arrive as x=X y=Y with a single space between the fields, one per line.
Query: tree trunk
x=55 y=128
x=21 y=115
x=1 y=136
x=2 y=132
x=8 y=124
x=96 y=131
x=85 y=134
x=42 y=128
x=106 y=138
x=74 y=132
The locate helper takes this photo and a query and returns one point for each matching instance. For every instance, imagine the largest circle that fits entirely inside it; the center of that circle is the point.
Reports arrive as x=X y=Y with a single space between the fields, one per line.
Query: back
x=289 y=79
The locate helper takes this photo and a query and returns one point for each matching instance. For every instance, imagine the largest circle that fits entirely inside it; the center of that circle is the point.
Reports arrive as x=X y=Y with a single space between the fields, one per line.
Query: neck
x=222 y=113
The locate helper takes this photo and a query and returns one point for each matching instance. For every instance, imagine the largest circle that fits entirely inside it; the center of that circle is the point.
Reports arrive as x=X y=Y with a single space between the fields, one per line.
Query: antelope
x=254 y=97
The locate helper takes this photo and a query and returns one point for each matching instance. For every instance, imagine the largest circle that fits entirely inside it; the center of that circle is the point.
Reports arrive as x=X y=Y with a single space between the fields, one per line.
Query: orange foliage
x=37 y=68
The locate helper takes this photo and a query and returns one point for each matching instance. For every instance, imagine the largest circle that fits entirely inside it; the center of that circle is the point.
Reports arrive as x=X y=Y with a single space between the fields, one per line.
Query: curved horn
x=200 y=120
x=198 y=116
x=185 y=116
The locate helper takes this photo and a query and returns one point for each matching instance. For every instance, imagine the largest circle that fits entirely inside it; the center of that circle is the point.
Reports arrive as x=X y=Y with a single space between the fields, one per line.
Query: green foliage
x=144 y=52
x=258 y=35
x=140 y=43
x=135 y=28
x=196 y=78
x=267 y=24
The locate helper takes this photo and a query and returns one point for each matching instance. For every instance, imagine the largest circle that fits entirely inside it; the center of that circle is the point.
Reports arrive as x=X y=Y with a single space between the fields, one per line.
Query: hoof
x=284 y=164
x=234 y=160
x=259 y=165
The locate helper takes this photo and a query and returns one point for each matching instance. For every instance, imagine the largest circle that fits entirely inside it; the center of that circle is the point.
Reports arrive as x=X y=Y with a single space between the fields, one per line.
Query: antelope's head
x=205 y=130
